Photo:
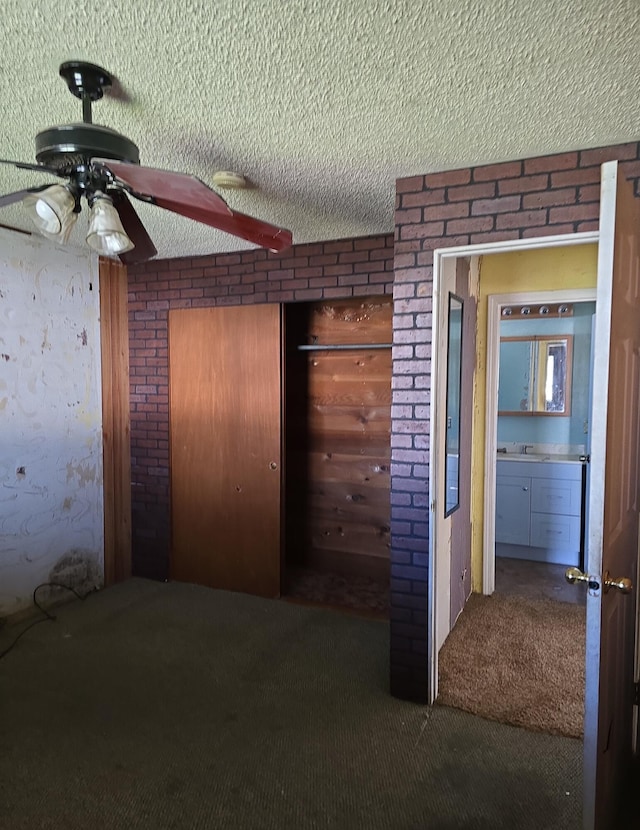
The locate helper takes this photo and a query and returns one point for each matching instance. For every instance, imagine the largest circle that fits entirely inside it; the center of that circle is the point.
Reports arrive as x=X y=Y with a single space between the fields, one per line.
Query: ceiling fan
x=103 y=166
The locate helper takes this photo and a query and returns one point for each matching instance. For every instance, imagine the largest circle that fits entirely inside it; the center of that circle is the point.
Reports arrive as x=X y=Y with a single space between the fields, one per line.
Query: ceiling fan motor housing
x=66 y=146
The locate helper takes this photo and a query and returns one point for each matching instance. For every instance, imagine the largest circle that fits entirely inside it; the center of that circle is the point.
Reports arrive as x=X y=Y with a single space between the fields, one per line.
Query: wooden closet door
x=225 y=434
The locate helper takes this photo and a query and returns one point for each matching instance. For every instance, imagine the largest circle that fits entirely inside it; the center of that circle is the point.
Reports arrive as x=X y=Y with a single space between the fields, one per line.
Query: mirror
x=454 y=377
x=535 y=375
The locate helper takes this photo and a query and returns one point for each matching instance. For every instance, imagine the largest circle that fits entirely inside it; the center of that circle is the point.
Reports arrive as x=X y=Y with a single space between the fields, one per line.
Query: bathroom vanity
x=539 y=508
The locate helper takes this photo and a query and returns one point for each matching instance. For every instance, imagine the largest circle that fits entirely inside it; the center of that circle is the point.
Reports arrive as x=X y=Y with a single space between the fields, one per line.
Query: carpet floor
x=519 y=661
x=162 y=706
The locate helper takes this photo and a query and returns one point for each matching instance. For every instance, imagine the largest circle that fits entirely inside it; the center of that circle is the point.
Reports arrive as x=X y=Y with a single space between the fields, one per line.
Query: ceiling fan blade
x=41 y=168
x=239 y=224
x=18 y=195
x=152 y=184
x=191 y=197
x=144 y=248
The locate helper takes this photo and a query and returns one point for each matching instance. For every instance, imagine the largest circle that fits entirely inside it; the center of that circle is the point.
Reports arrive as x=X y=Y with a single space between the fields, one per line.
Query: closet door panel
x=225 y=433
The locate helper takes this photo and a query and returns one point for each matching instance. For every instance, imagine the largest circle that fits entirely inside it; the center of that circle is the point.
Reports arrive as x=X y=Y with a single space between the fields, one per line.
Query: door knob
x=623 y=584
x=573 y=575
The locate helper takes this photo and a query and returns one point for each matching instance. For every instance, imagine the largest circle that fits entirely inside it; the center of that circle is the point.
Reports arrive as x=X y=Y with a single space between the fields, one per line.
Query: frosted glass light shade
x=106 y=234
x=51 y=210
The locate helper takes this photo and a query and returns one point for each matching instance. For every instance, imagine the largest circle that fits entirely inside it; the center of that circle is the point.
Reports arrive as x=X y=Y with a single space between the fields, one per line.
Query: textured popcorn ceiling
x=321 y=104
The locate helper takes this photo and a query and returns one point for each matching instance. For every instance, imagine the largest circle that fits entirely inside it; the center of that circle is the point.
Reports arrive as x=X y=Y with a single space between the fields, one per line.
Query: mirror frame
x=454 y=391
x=535 y=382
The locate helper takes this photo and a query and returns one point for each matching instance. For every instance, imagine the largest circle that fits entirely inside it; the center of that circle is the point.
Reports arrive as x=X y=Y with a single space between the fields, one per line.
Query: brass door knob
x=573 y=575
x=623 y=584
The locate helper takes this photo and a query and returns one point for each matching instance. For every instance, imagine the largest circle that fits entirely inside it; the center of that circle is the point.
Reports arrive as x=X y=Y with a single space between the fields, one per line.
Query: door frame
x=443 y=260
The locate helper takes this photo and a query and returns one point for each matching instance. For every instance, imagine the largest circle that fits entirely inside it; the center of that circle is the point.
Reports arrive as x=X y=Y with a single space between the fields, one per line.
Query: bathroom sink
x=520 y=456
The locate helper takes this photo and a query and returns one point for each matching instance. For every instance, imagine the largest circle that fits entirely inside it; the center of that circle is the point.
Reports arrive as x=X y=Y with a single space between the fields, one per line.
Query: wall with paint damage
x=51 y=501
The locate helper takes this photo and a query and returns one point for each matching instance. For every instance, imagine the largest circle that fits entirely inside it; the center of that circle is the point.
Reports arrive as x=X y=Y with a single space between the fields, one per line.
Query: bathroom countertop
x=537 y=457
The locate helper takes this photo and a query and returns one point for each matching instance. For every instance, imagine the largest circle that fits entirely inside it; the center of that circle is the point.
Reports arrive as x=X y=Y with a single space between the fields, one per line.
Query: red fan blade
x=154 y=184
x=144 y=248
x=18 y=195
x=239 y=224
x=190 y=197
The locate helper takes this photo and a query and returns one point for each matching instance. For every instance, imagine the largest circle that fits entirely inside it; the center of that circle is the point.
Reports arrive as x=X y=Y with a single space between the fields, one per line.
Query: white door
x=612 y=533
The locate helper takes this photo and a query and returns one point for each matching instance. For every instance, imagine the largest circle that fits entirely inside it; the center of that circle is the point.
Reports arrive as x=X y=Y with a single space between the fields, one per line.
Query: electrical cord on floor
x=47 y=614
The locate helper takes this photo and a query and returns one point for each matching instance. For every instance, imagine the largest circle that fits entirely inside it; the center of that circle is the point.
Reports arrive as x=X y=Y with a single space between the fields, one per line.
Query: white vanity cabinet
x=539 y=510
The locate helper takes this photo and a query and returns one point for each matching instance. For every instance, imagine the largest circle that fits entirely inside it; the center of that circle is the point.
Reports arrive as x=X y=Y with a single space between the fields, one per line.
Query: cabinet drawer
x=558 y=497
x=551 y=531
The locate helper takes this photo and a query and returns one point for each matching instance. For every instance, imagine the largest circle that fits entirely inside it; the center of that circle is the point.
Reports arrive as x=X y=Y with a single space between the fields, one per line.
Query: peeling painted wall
x=51 y=500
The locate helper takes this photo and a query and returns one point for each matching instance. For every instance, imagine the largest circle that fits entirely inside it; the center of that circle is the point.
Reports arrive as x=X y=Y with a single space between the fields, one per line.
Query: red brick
x=409 y=246
x=586 y=227
x=354 y=256
x=324 y=259
x=369 y=267
x=340 y=247
x=493 y=236
x=576 y=213
x=370 y=243
x=404 y=260
x=452 y=211
x=216 y=271
x=524 y=184
x=505 y=170
x=522 y=219
x=309 y=294
x=306 y=273
x=626 y=152
x=589 y=193
x=410 y=185
x=427 y=229
x=589 y=175
x=406 y=217
x=337 y=270
x=355 y=279
x=546 y=164
x=280 y=296
x=426 y=257
x=425 y=197
x=448 y=178
x=501 y=204
x=472 y=191
x=323 y=282
x=295 y=262
x=550 y=198
x=547 y=230
x=471 y=225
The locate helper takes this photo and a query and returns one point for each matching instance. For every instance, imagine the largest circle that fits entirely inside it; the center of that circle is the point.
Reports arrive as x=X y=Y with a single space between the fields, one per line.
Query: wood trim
x=114 y=339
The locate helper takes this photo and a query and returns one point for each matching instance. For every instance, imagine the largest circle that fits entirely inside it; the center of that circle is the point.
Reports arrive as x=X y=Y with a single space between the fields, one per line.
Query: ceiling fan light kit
x=103 y=166
x=106 y=234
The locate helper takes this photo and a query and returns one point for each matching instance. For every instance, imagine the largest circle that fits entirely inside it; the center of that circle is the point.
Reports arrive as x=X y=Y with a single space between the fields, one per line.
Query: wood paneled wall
x=339 y=450
x=114 y=337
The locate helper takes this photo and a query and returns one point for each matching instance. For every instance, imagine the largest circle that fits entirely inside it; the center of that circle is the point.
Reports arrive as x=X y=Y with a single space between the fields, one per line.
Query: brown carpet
x=518 y=661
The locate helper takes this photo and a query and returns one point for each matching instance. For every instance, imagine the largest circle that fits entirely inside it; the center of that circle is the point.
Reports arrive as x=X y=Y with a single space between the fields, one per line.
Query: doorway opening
x=337 y=420
x=485 y=445
x=530 y=513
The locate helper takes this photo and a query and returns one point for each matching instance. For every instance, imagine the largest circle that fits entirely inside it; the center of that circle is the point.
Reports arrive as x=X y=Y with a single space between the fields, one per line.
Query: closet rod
x=343 y=347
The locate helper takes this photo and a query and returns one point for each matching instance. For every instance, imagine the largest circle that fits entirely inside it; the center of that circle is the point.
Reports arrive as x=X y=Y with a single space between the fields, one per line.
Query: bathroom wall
x=556 y=429
x=51 y=500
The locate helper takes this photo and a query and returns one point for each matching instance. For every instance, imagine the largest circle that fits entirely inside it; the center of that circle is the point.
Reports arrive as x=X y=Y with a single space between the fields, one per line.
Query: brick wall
x=534 y=197
x=346 y=268
x=530 y=198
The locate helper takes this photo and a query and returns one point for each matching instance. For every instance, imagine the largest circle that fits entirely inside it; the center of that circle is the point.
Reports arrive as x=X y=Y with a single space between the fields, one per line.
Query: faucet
x=524 y=448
